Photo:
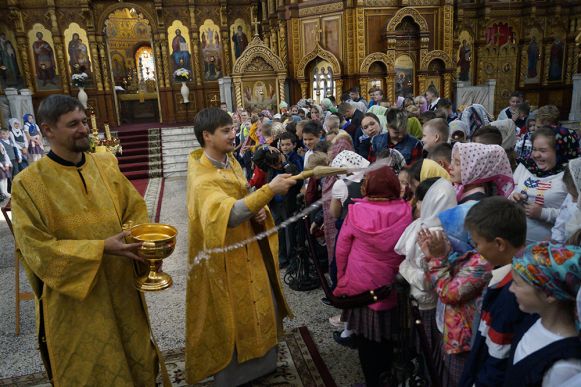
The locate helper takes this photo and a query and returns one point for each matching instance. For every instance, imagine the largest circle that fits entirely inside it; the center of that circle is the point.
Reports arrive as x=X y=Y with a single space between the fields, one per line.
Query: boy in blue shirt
x=498 y=230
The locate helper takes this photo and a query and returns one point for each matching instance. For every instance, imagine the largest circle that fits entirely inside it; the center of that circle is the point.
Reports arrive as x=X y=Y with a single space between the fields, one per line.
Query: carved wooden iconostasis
x=327 y=47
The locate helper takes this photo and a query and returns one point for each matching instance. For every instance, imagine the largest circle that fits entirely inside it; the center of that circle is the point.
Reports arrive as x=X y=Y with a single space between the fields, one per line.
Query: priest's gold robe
x=229 y=299
x=94 y=321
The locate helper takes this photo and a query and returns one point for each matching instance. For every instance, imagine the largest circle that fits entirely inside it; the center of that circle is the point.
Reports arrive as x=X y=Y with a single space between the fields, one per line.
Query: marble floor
x=18 y=355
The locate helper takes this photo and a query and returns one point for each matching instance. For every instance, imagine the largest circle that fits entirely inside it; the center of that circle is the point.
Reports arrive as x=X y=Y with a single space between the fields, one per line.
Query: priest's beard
x=81 y=144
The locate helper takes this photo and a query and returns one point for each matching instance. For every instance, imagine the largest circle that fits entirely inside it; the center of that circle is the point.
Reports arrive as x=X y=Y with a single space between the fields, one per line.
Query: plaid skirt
x=5 y=174
x=35 y=149
x=430 y=328
x=372 y=325
x=453 y=367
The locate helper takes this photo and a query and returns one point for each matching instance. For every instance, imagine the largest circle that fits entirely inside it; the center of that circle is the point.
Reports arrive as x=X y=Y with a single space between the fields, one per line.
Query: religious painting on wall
x=240 y=32
x=46 y=72
x=10 y=74
x=179 y=46
x=260 y=94
x=211 y=50
x=118 y=67
x=533 y=55
x=332 y=35
x=556 y=60
x=78 y=53
x=311 y=35
x=499 y=34
x=465 y=57
x=404 y=76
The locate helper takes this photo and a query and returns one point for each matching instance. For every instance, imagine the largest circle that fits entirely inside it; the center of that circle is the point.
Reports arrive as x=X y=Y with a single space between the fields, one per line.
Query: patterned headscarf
x=382 y=183
x=475 y=116
x=507 y=129
x=480 y=163
x=351 y=160
x=554 y=269
x=395 y=160
x=340 y=144
x=566 y=148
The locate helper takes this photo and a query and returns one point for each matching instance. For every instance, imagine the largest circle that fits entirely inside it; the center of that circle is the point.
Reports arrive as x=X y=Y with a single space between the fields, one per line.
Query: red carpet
x=141 y=158
x=140 y=185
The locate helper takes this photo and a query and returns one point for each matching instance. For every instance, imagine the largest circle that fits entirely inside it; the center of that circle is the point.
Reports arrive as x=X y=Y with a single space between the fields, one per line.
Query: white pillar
x=13 y=103
x=225 y=84
x=25 y=98
x=575 y=113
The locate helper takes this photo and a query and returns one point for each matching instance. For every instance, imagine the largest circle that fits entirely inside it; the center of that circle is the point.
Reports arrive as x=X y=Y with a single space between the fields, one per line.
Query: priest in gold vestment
x=234 y=300
x=68 y=210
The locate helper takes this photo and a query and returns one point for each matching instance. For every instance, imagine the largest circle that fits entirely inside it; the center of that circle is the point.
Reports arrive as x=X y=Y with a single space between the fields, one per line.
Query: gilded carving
x=282 y=47
x=381 y=3
x=96 y=66
x=318 y=52
x=449 y=29
x=258 y=65
x=104 y=63
x=257 y=48
x=23 y=50
x=196 y=56
x=413 y=13
x=349 y=17
x=295 y=42
x=321 y=9
x=360 y=23
x=164 y=62
x=436 y=54
x=387 y=60
x=226 y=47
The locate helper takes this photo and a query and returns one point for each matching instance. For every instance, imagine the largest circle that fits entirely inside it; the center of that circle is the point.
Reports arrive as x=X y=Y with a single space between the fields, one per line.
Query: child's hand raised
x=433 y=244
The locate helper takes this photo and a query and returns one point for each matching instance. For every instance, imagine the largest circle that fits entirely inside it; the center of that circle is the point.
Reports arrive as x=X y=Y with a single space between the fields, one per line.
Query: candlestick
x=107 y=132
x=94 y=122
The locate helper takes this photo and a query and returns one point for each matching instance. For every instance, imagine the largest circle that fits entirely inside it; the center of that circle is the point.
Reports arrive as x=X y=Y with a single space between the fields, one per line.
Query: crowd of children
x=480 y=217
x=20 y=144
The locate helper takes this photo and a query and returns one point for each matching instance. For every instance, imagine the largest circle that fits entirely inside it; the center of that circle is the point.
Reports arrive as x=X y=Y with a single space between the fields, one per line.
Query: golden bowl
x=158 y=242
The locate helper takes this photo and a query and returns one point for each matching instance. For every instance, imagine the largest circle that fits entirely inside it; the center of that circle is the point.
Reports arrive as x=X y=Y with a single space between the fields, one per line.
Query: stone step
x=180 y=153
x=172 y=131
x=180 y=144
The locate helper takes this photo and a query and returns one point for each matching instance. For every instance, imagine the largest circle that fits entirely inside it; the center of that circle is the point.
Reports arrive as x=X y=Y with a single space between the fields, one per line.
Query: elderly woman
x=539 y=179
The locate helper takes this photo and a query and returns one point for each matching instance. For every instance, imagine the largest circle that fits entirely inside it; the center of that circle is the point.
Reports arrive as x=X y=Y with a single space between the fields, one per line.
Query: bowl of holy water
x=158 y=242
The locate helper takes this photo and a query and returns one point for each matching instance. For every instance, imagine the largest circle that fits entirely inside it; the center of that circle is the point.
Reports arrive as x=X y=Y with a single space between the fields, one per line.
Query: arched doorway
x=133 y=70
x=319 y=74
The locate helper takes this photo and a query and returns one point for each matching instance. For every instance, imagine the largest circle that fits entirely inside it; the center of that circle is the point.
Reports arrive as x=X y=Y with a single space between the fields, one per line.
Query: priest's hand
x=281 y=183
x=116 y=245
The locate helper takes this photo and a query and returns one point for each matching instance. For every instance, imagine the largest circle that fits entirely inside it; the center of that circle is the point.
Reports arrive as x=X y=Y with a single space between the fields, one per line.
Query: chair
x=20 y=296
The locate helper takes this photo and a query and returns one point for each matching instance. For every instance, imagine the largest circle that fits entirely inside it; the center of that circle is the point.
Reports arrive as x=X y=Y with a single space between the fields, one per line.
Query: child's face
x=529 y=298
x=514 y=102
x=429 y=138
x=455 y=170
x=4 y=135
x=532 y=125
x=370 y=127
x=310 y=140
x=404 y=183
x=286 y=146
x=493 y=251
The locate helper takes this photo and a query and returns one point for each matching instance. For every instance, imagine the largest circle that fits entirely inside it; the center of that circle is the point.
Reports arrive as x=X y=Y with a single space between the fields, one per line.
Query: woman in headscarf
x=18 y=136
x=569 y=219
x=439 y=197
x=475 y=116
x=458 y=130
x=479 y=171
x=546 y=281
x=539 y=179
x=366 y=260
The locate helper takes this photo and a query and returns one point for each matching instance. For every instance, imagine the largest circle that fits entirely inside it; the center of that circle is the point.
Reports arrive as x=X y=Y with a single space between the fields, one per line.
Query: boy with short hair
x=312 y=131
x=442 y=154
x=287 y=143
x=434 y=132
x=498 y=229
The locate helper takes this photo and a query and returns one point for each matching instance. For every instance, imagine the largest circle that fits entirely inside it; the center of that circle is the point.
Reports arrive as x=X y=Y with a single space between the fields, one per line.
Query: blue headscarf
x=452 y=221
x=33 y=129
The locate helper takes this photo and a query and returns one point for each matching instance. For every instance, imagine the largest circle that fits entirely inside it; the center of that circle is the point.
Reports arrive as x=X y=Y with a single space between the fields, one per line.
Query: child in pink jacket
x=366 y=260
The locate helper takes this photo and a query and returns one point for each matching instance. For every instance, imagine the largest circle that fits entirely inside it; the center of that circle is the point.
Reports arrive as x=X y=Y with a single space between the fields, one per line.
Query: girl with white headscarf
x=569 y=218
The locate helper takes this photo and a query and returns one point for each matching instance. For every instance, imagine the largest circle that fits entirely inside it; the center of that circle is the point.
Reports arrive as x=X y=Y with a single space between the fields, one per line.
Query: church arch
x=436 y=54
x=114 y=7
x=375 y=57
x=257 y=49
x=411 y=12
x=318 y=52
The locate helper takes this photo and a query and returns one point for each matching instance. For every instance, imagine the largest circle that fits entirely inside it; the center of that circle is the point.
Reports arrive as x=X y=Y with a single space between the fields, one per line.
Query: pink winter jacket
x=365 y=253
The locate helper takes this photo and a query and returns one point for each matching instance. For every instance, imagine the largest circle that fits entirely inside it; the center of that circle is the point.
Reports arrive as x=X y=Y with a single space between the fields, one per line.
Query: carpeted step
x=136 y=151
x=134 y=175
x=133 y=159
x=139 y=144
x=133 y=167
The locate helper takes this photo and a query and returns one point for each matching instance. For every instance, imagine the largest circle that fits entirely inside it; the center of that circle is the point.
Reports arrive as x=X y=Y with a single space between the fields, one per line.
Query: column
x=282 y=46
x=575 y=113
x=225 y=84
x=25 y=101
x=22 y=43
x=13 y=102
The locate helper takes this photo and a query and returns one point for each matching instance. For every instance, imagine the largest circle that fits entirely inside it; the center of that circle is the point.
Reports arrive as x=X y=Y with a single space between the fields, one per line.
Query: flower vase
x=185 y=93
x=83 y=97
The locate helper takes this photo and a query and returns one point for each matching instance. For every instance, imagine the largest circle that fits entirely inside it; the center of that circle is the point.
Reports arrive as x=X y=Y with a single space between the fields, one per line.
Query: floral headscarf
x=395 y=160
x=554 y=269
x=341 y=144
x=480 y=163
x=566 y=148
x=351 y=160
